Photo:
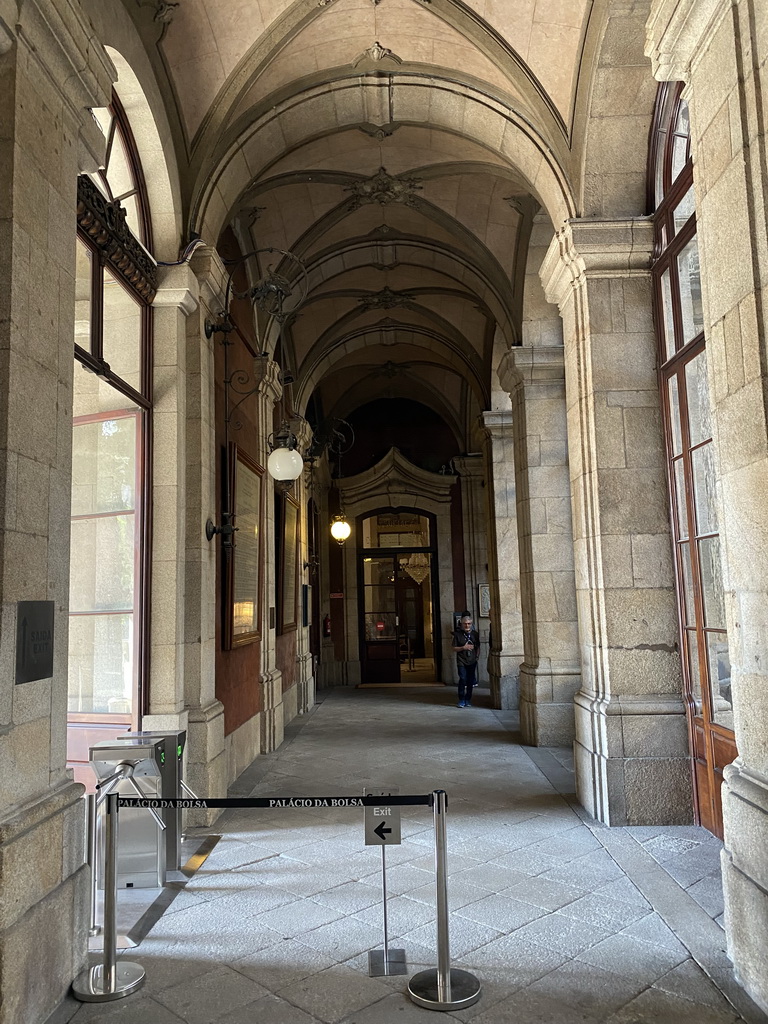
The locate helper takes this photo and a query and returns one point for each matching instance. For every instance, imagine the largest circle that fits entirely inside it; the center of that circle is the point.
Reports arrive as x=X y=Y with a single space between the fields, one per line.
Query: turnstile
x=171 y=771
x=141 y=857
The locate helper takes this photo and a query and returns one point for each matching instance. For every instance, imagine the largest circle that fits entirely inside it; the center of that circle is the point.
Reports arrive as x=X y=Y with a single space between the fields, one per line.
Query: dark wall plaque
x=34 y=640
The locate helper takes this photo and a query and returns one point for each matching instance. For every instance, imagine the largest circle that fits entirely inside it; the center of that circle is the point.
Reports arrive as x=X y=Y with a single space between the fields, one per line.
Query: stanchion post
x=92 y=826
x=443 y=988
x=108 y=981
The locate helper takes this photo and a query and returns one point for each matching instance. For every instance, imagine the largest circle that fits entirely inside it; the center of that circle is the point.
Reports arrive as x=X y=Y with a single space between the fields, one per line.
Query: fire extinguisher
x=327 y=625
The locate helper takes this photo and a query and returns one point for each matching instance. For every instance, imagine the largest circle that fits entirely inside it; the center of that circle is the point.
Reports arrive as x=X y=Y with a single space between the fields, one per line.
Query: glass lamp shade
x=340 y=529
x=285 y=464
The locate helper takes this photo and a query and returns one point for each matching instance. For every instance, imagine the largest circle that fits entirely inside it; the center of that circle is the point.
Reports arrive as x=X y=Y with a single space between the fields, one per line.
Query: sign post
x=382 y=828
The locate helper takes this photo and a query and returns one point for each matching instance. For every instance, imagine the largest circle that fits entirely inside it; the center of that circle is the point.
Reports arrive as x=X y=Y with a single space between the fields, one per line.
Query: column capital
x=497 y=423
x=531 y=365
x=595 y=249
x=266 y=374
x=178 y=287
x=469 y=465
x=677 y=31
x=62 y=43
x=211 y=273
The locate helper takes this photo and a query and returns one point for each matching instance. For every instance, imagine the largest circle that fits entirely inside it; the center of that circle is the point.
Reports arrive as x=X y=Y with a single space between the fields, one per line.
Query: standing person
x=466 y=643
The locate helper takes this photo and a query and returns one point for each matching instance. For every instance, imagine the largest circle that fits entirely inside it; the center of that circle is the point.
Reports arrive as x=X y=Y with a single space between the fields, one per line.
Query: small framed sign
x=34 y=640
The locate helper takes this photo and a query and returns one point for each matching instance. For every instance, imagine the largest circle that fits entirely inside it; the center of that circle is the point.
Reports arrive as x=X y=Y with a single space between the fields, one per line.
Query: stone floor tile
x=708 y=893
x=632 y=958
x=588 y=872
x=464 y=935
x=623 y=889
x=589 y=989
x=269 y=1010
x=545 y=893
x=349 y=897
x=604 y=911
x=402 y=878
x=343 y=939
x=208 y=997
x=296 y=918
x=138 y=1009
x=529 y=1007
x=500 y=912
x=393 y=1008
x=486 y=876
x=403 y=915
x=287 y=961
x=654 y=1005
x=563 y=934
x=652 y=929
x=688 y=981
x=332 y=995
x=459 y=894
x=513 y=959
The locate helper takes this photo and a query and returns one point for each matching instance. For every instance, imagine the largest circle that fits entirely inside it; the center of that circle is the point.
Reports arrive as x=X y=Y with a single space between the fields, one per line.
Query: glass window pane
x=104 y=466
x=681 y=500
x=684 y=209
x=92 y=395
x=120 y=179
x=101 y=569
x=667 y=319
x=680 y=139
x=690 y=290
x=702 y=464
x=689 y=608
x=122 y=332
x=661 y=148
x=673 y=396
x=101 y=664
x=712 y=582
x=697 y=393
x=694 y=673
x=83 y=279
x=720 y=678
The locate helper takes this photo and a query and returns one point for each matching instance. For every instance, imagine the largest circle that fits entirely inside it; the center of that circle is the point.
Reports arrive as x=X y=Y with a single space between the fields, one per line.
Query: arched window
x=690 y=454
x=115 y=284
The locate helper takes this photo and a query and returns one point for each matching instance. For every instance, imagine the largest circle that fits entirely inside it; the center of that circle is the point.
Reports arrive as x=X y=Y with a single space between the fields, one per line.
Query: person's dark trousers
x=467 y=679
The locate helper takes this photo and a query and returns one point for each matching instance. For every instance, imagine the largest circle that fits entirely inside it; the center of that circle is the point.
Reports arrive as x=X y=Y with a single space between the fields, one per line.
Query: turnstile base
x=465 y=990
x=380 y=966
x=88 y=987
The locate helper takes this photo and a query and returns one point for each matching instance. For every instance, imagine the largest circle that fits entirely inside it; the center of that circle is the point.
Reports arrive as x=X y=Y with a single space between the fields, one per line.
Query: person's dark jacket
x=459 y=639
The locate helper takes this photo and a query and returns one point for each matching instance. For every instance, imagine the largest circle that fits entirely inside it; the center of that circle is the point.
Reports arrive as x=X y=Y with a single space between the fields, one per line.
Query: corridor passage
x=564 y=920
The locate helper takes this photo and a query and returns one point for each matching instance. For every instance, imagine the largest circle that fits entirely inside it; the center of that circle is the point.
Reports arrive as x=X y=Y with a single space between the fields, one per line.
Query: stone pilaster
x=631 y=746
x=550 y=672
x=51 y=71
x=270 y=390
x=506 y=651
x=720 y=49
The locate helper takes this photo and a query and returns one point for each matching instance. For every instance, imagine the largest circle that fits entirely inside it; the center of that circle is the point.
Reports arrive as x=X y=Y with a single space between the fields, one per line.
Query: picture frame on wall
x=289 y=565
x=244 y=565
x=484 y=600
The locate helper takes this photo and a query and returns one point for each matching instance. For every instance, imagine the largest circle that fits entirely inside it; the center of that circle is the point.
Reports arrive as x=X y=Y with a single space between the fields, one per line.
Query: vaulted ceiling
x=401 y=149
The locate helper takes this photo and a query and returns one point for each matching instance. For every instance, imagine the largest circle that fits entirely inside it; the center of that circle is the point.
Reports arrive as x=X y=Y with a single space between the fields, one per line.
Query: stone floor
x=563 y=920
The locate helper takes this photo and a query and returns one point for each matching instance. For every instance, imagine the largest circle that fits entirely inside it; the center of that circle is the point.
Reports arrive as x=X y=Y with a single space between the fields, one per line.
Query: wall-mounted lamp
x=285 y=462
x=340 y=528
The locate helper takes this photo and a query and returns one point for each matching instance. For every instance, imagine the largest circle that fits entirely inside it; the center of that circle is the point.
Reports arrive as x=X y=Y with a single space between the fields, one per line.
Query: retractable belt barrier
x=440 y=988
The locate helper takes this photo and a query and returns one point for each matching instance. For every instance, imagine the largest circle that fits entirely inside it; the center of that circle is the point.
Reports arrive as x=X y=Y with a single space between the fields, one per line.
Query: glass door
x=381 y=648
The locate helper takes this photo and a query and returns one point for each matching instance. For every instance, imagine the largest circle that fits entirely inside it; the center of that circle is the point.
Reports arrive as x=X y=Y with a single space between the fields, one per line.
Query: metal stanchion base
x=465 y=990
x=88 y=987
x=380 y=966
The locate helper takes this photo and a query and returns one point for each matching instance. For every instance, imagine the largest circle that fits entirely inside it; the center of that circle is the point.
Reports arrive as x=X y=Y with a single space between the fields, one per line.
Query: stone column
x=267 y=373
x=631 y=747
x=720 y=49
x=503 y=561
x=550 y=672
x=51 y=70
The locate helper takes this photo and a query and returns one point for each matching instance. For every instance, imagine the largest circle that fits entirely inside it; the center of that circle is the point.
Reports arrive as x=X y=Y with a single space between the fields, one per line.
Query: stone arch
x=248 y=152
x=145 y=107
x=614 y=114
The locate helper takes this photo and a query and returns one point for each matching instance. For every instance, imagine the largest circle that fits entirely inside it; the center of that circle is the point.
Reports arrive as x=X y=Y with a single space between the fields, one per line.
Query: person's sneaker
x=461 y=704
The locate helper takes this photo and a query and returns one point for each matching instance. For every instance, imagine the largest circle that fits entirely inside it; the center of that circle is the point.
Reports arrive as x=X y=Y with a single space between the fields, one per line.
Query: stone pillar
x=51 y=70
x=503 y=561
x=270 y=390
x=719 y=49
x=550 y=672
x=631 y=746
